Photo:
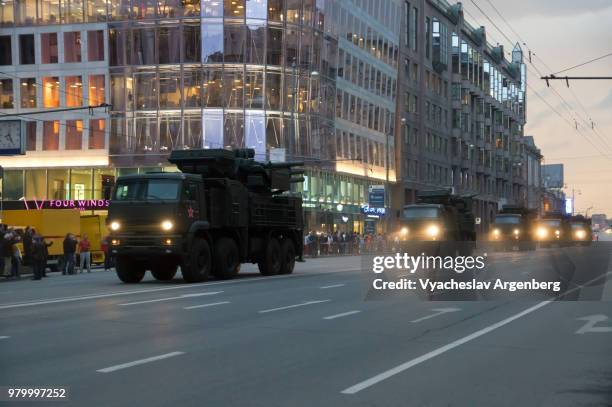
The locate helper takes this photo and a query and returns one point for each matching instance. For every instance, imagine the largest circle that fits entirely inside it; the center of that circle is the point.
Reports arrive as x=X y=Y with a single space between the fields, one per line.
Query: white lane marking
x=212 y=304
x=4 y=337
x=440 y=312
x=118 y=293
x=592 y=320
x=344 y=314
x=293 y=306
x=407 y=365
x=436 y=352
x=180 y=297
x=333 y=286
x=139 y=362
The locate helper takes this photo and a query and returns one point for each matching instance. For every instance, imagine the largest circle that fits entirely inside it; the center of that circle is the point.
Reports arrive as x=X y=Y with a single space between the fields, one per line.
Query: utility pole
x=291 y=141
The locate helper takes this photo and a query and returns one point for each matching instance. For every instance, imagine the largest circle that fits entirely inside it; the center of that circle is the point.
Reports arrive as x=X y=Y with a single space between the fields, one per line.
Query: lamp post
x=291 y=140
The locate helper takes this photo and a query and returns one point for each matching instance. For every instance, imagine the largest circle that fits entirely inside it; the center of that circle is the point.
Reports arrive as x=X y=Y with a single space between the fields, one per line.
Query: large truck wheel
x=128 y=271
x=270 y=264
x=227 y=259
x=198 y=267
x=164 y=270
x=288 y=253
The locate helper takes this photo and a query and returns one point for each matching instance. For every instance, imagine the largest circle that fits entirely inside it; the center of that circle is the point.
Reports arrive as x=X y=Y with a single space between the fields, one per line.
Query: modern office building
x=365 y=92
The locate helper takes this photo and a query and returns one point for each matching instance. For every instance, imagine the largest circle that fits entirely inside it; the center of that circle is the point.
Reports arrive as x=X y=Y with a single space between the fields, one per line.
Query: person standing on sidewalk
x=37 y=257
x=13 y=239
x=70 y=244
x=84 y=254
x=107 y=255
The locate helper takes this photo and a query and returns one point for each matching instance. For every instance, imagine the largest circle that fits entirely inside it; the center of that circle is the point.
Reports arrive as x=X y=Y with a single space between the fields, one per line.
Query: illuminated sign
x=80 y=204
x=371 y=211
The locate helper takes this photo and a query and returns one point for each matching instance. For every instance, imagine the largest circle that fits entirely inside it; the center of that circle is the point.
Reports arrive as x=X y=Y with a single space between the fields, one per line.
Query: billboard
x=376 y=196
x=552 y=176
x=12 y=137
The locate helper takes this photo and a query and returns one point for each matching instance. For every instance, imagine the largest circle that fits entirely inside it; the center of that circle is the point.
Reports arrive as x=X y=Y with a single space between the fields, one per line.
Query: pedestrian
x=16 y=259
x=37 y=258
x=84 y=254
x=70 y=244
x=2 y=250
x=104 y=245
x=27 y=245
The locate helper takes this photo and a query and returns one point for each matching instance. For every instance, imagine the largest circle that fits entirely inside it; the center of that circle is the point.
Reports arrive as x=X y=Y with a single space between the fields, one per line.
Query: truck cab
x=151 y=217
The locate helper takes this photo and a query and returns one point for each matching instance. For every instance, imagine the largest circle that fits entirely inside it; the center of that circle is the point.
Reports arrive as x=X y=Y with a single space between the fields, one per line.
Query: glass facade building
x=363 y=91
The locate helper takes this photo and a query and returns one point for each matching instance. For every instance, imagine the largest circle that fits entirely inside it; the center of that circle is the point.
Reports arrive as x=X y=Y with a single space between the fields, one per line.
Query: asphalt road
x=310 y=339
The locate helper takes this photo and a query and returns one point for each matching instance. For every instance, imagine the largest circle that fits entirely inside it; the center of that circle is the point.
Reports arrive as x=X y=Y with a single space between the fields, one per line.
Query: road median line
x=139 y=362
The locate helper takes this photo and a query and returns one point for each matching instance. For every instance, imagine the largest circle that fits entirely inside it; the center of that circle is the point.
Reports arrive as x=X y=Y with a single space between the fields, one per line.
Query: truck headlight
x=542 y=232
x=580 y=234
x=516 y=232
x=114 y=225
x=557 y=232
x=433 y=231
x=404 y=231
x=496 y=232
x=167 y=225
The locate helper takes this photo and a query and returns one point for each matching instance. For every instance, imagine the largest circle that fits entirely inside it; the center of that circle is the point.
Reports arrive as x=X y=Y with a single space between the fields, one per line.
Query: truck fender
x=197 y=226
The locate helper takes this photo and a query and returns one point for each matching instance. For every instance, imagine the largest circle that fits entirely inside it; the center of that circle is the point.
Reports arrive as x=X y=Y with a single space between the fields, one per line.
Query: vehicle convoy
x=582 y=233
x=442 y=218
x=221 y=210
x=553 y=228
x=513 y=226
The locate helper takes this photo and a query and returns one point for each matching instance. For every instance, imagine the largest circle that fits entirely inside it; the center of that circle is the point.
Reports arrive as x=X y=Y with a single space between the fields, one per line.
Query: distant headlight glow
x=433 y=231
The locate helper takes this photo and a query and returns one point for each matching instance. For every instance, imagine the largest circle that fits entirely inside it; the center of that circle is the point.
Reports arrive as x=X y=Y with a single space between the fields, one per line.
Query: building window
x=74 y=91
x=31 y=136
x=26 y=12
x=74 y=134
x=96 y=134
x=26 y=49
x=413 y=26
x=168 y=46
x=49 y=11
x=95 y=45
x=7 y=17
x=6 y=93
x=96 y=90
x=427 y=33
x=72 y=11
x=96 y=10
x=212 y=43
x=6 y=50
x=28 y=92
x=233 y=8
x=49 y=50
x=51 y=135
x=212 y=8
x=50 y=91
x=72 y=46
x=191 y=43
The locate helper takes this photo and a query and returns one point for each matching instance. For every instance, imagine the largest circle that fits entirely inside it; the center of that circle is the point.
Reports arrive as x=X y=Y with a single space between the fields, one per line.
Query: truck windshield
x=578 y=225
x=552 y=222
x=512 y=220
x=418 y=213
x=147 y=190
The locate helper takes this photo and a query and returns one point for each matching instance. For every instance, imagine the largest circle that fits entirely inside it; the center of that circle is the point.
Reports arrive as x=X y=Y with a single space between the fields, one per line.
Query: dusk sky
x=563 y=33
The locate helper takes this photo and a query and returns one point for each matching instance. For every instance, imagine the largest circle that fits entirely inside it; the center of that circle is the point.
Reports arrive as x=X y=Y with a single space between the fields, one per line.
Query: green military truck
x=223 y=209
x=514 y=227
x=442 y=220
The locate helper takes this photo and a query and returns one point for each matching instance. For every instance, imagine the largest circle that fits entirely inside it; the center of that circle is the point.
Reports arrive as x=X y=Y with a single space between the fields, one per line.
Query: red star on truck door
x=190 y=212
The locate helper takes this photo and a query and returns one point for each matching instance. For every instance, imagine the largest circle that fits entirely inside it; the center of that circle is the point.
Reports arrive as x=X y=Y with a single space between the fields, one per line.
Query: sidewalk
x=26 y=273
